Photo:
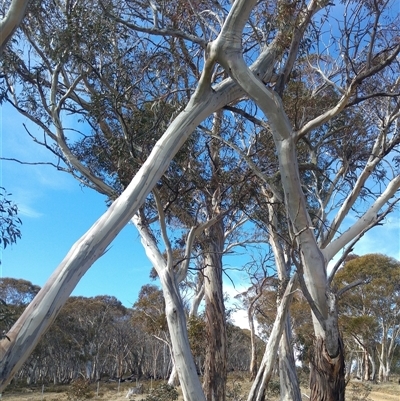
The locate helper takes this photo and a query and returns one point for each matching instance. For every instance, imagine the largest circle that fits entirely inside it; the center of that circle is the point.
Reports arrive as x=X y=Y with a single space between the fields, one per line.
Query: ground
x=112 y=392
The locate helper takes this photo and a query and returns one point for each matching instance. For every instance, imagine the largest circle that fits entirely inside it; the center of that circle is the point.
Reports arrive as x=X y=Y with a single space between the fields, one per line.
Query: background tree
x=370 y=310
x=15 y=295
x=99 y=339
x=10 y=223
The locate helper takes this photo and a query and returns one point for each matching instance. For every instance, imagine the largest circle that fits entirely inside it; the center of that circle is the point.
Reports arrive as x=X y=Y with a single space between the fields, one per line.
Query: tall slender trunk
x=176 y=318
x=289 y=383
x=229 y=51
x=214 y=383
x=253 y=361
x=366 y=365
x=258 y=388
x=184 y=363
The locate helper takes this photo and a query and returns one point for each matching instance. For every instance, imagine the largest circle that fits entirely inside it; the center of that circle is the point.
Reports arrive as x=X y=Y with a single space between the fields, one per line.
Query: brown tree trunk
x=327 y=380
x=366 y=365
x=214 y=383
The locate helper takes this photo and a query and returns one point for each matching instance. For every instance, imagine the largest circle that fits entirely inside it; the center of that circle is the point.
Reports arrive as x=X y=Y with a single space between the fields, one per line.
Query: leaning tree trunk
x=183 y=359
x=214 y=382
x=11 y=21
x=173 y=379
x=259 y=386
x=289 y=383
x=253 y=363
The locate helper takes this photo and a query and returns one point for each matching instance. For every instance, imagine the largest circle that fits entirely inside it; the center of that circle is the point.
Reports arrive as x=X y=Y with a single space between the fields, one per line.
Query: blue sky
x=56 y=211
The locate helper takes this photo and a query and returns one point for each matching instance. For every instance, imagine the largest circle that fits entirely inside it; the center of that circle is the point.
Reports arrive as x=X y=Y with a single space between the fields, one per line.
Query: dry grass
x=238 y=387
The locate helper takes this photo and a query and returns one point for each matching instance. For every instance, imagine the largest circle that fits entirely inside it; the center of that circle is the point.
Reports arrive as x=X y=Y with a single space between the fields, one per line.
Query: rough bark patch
x=327 y=381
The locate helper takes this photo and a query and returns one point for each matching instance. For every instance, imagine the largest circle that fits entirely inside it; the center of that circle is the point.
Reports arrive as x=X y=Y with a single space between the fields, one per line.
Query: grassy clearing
x=237 y=390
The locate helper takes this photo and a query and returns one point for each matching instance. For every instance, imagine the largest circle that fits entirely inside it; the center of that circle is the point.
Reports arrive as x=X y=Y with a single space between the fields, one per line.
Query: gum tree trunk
x=11 y=21
x=176 y=317
x=289 y=383
x=38 y=316
x=214 y=382
x=327 y=373
x=259 y=386
x=290 y=389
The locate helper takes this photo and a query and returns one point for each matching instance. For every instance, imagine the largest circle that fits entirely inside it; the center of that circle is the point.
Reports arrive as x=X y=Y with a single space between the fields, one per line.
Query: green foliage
x=163 y=392
x=150 y=309
x=378 y=297
x=197 y=335
x=7 y=316
x=17 y=292
x=80 y=390
x=9 y=221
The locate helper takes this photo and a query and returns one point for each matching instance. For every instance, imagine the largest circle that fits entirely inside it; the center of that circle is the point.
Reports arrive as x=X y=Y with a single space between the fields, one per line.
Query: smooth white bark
x=42 y=311
x=228 y=46
x=367 y=220
x=257 y=391
x=174 y=310
x=26 y=332
x=11 y=21
x=290 y=388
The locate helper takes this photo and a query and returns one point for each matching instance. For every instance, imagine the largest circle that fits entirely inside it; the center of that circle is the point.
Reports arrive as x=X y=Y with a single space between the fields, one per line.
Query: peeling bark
x=327 y=373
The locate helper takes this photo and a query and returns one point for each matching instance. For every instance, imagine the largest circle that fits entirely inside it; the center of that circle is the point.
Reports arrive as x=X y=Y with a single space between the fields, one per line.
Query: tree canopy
x=200 y=117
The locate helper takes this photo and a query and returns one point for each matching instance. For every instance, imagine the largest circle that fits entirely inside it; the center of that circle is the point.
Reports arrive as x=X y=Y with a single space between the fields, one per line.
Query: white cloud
x=27 y=211
x=239 y=318
x=239 y=314
x=25 y=198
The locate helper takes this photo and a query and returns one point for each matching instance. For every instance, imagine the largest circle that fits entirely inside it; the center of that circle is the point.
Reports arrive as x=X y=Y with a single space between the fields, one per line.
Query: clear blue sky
x=56 y=211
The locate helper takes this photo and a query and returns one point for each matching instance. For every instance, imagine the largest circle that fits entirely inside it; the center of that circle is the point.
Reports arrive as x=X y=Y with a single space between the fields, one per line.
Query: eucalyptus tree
x=149 y=310
x=335 y=157
x=260 y=274
x=10 y=223
x=260 y=47
x=17 y=292
x=15 y=295
x=370 y=310
x=108 y=158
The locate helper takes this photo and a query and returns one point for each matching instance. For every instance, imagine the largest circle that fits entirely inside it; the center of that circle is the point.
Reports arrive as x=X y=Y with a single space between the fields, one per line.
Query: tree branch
x=369 y=219
x=12 y=20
